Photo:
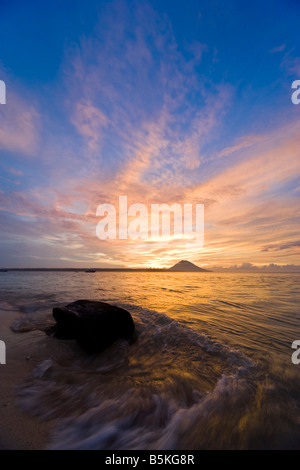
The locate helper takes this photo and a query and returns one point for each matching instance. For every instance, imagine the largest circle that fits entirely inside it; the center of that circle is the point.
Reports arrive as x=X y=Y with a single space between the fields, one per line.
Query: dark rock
x=66 y=321
x=94 y=325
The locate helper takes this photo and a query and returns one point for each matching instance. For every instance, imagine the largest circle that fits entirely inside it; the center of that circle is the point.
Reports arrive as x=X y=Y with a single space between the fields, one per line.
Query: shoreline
x=18 y=429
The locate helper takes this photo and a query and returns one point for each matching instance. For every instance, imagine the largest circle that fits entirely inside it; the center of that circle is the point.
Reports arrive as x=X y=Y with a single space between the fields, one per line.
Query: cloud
x=89 y=122
x=242 y=143
x=20 y=125
x=284 y=246
x=276 y=49
x=253 y=201
x=139 y=108
x=258 y=169
x=291 y=65
x=138 y=119
x=15 y=172
x=249 y=267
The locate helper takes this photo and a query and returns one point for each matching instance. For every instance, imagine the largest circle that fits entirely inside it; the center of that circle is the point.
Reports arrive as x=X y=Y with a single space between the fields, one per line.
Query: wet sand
x=18 y=430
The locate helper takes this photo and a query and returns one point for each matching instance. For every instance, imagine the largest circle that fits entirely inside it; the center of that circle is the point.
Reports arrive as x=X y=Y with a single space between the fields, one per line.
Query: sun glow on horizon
x=142 y=104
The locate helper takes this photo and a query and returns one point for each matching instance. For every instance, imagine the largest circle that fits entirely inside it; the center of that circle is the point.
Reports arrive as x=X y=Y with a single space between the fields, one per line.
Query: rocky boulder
x=95 y=325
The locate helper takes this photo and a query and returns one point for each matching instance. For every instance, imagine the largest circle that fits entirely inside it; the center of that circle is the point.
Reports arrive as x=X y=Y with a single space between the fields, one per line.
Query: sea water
x=210 y=367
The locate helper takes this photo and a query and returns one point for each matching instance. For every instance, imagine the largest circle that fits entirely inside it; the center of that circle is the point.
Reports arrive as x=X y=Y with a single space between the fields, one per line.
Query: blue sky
x=162 y=101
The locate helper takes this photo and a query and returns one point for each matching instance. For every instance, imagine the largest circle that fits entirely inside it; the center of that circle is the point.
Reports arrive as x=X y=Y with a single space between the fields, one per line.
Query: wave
x=170 y=389
x=6 y=306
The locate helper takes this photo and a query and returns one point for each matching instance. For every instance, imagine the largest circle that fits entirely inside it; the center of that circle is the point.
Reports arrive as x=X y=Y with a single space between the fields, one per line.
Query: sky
x=185 y=102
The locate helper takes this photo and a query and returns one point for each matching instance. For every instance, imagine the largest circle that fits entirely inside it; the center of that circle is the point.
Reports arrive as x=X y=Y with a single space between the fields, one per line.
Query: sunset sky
x=162 y=101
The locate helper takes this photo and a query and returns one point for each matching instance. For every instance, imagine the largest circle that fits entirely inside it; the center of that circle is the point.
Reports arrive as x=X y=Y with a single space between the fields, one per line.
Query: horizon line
x=289 y=269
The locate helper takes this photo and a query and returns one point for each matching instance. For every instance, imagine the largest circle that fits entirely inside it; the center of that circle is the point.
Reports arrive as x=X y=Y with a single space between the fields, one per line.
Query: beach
x=18 y=430
x=210 y=368
x=150 y=162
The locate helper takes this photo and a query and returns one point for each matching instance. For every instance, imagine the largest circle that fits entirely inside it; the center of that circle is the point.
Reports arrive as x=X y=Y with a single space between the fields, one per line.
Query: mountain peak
x=186 y=266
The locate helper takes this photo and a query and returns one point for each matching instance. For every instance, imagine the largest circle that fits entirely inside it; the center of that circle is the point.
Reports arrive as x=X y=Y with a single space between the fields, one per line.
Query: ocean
x=211 y=366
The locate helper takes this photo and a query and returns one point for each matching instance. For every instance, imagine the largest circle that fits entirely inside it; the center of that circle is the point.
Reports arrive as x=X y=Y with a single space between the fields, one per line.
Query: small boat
x=90 y=271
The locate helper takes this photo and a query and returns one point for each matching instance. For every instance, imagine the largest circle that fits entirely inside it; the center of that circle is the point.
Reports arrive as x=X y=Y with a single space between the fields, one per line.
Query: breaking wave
x=171 y=389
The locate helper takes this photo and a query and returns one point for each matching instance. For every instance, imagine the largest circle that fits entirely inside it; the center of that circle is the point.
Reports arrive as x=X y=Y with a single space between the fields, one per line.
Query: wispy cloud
x=19 y=126
x=276 y=49
x=138 y=111
x=89 y=122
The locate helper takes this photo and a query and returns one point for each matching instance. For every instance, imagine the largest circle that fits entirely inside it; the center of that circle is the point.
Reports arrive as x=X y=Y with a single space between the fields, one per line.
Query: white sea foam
x=147 y=395
x=213 y=371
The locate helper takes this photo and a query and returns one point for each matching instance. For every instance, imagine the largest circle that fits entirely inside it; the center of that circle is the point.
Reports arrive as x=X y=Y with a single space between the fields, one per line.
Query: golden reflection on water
x=211 y=366
x=258 y=312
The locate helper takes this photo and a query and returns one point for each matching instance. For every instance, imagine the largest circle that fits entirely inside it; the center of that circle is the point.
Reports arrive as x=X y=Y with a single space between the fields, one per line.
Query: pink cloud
x=89 y=122
x=15 y=172
x=20 y=124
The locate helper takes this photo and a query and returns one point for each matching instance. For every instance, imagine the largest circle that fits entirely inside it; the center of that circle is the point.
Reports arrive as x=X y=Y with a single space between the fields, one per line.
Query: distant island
x=186 y=266
x=178 y=267
x=181 y=266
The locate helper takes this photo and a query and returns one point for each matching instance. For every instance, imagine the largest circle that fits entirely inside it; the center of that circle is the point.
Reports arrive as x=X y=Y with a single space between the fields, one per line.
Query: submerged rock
x=95 y=325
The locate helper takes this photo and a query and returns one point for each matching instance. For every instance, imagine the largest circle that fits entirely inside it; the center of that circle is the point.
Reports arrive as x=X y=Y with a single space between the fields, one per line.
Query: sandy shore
x=18 y=430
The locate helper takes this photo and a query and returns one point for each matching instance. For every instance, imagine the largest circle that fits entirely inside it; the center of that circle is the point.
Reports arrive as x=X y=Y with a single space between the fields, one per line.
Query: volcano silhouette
x=186 y=266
